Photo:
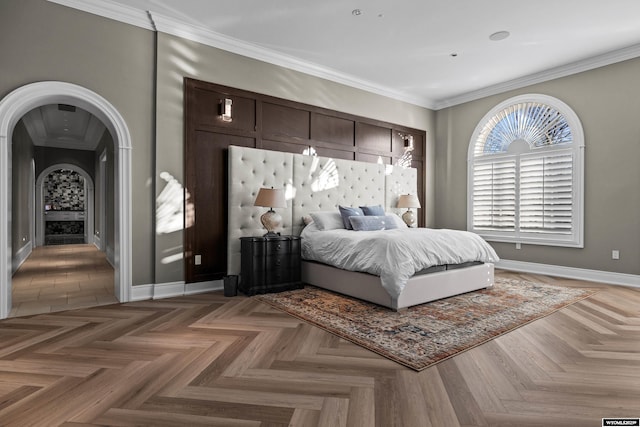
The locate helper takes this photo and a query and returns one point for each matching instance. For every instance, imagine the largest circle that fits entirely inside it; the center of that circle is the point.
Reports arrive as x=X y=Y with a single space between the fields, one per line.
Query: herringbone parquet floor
x=207 y=360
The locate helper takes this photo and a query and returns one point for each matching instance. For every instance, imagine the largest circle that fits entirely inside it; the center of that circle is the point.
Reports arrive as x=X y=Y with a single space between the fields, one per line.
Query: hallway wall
x=43 y=41
x=22 y=153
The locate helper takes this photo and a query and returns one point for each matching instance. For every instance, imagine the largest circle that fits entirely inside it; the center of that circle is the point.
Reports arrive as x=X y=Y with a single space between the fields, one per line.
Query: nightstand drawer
x=278 y=269
x=278 y=247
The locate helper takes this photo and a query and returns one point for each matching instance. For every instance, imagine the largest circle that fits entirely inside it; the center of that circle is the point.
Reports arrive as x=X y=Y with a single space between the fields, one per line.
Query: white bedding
x=394 y=255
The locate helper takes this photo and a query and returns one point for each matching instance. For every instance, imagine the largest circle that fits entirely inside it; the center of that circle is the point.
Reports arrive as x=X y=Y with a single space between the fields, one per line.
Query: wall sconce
x=225 y=109
x=408 y=141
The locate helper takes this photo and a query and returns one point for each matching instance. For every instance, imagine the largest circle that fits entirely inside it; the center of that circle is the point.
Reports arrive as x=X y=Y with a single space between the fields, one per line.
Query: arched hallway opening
x=14 y=106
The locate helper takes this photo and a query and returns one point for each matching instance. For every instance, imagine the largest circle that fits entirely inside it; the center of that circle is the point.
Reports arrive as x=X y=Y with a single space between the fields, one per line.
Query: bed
x=318 y=184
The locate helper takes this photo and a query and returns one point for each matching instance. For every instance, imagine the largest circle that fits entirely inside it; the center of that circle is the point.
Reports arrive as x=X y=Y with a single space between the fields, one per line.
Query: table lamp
x=408 y=201
x=271 y=198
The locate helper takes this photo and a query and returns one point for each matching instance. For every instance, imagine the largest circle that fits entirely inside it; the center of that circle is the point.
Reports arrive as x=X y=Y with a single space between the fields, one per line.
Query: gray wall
x=108 y=238
x=607 y=101
x=179 y=58
x=21 y=155
x=46 y=157
x=45 y=41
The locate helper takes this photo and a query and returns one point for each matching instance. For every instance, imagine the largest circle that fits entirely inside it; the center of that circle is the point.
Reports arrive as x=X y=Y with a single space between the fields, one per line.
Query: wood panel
x=373 y=137
x=287 y=147
x=332 y=129
x=281 y=120
x=270 y=123
x=205 y=222
x=207 y=360
x=336 y=154
x=373 y=158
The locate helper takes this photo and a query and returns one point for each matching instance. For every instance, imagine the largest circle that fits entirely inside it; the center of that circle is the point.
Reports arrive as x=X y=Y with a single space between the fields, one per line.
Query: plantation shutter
x=525 y=173
x=494 y=195
x=546 y=192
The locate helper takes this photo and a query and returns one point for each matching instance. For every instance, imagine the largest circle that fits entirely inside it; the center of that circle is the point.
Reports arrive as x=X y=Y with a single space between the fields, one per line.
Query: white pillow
x=399 y=222
x=327 y=220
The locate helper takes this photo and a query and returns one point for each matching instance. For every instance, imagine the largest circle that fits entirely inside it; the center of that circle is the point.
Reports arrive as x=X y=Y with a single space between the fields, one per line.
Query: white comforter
x=394 y=255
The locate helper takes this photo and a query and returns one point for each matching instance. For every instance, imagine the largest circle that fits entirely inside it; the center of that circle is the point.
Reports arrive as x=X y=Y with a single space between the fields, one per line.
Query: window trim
x=576 y=239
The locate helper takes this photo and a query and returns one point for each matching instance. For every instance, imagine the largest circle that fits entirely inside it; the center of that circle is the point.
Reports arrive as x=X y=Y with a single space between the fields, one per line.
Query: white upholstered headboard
x=311 y=184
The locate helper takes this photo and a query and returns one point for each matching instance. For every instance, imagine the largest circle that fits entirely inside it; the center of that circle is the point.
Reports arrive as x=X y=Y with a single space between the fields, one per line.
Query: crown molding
x=115 y=11
x=157 y=22
x=609 y=58
x=217 y=40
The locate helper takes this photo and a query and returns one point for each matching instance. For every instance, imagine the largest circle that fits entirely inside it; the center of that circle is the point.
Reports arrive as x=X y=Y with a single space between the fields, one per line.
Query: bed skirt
x=418 y=290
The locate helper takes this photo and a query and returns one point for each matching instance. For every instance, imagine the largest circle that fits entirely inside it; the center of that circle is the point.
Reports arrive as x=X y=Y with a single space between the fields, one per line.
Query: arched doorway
x=12 y=108
x=40 y=214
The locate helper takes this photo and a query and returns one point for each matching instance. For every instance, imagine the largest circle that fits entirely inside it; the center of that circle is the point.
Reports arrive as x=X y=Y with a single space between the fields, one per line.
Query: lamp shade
x=271 y=198
x=408 y=201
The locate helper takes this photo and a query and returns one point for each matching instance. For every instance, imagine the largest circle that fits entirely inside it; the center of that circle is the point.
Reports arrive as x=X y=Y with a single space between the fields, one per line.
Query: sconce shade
x=408 y=201
x=271 y=198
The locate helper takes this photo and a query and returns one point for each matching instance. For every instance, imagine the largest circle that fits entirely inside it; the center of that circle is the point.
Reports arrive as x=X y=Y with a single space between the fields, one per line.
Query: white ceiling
x=54 y=126
x=404 y=48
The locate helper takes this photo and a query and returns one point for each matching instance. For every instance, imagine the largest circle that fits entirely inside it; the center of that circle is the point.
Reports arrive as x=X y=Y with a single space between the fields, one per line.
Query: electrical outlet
x=197 y=260
x=615 y=254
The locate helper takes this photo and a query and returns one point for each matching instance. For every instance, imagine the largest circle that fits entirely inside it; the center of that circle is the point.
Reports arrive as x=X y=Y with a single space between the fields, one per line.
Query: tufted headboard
x=311 y=184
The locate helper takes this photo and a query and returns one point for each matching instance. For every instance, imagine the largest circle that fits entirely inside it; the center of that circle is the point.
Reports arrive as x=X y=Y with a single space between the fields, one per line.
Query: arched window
x=525 y=173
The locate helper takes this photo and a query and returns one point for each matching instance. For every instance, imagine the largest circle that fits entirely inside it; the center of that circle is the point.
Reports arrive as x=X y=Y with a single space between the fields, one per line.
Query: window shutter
x=494 y=195
x=546 y=193
x=525 y=173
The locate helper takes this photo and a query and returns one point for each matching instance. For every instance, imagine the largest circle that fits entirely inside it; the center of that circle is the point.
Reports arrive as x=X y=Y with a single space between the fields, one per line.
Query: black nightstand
x=270 y=264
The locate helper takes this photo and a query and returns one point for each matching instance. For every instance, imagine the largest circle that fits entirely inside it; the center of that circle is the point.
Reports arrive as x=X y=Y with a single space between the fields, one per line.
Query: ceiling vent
x=65 y=107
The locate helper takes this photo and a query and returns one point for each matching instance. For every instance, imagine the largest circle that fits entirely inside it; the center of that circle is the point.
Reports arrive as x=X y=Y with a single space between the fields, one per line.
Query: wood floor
x=62 y=277
x=207 y=360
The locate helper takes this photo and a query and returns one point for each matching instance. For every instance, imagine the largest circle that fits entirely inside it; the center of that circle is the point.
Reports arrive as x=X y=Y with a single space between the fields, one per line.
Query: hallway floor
x=62 y=277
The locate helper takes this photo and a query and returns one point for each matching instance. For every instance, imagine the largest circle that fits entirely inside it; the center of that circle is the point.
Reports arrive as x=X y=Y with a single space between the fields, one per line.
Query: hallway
x=62 y=277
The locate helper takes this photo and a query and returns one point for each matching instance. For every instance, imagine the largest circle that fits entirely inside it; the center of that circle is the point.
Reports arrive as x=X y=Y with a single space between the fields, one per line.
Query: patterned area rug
x=429 y=333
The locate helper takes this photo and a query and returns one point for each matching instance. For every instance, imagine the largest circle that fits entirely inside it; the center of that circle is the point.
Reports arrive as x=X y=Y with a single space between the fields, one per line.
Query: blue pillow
x=373 y=210
x=373 y=223
x=347 y=212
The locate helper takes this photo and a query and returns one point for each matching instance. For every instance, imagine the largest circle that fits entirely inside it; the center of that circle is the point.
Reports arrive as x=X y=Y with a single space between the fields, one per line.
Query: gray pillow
x=346 y=213
x=373 y=210
x=373 y=223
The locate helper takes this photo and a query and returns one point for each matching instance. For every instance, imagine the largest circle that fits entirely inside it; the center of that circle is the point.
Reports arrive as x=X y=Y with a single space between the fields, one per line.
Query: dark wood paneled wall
x=269 y=123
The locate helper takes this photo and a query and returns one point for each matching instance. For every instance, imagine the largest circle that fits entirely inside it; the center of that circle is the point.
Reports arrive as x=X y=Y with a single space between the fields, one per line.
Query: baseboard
x=141 y=293
x=110 y=257
x=608 y=277
x=21 y=256
x=173 y=289
x=97 y=242
x=202 y=287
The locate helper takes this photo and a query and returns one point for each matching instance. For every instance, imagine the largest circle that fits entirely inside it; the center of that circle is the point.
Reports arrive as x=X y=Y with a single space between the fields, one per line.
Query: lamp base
x=271 y=220
x=409 y=218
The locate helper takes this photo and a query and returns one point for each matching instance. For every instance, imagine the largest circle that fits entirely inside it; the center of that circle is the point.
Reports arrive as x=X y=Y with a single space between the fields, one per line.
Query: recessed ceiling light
x=356 y=12
x=500 y=35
